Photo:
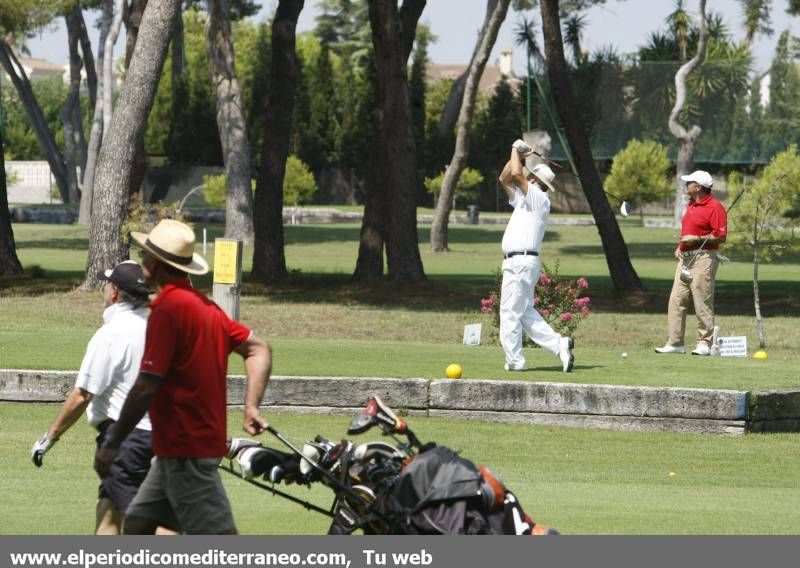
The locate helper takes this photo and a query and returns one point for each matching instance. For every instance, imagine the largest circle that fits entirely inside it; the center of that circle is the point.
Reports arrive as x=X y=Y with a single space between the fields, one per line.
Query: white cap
x=701 y=177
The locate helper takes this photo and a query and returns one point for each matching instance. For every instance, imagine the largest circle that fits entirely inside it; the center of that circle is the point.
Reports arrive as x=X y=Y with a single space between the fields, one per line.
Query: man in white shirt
x=522 y=242
x=109 y=369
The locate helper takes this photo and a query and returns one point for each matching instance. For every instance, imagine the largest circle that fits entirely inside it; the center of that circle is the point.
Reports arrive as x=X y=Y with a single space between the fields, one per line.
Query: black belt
x=521 y=253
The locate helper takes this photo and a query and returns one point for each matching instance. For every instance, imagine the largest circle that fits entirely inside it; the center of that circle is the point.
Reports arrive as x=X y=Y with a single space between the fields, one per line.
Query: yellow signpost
x=228 y=275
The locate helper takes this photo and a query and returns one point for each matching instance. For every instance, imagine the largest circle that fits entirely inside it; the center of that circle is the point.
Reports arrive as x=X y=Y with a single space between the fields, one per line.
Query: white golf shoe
x=702 y=349
x=508 y=367
x=671 y=349
x=567 y=344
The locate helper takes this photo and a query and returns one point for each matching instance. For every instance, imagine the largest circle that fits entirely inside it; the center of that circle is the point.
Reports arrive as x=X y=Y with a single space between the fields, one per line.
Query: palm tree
x=756 y=19
x=679 y=23
x=574 y=25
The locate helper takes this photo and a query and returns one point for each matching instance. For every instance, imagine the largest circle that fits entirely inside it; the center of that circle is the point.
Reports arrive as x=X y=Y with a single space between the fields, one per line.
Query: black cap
x=127 y=276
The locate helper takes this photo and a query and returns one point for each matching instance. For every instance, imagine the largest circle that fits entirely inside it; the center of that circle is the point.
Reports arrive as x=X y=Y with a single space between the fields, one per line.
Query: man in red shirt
x=703 y=228
x=182 y=382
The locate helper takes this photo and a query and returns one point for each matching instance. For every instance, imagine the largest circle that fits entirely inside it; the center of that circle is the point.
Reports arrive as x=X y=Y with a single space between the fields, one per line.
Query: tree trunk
x=686 y=138
x=269 y=260
x=458 y=162
x=178 y=58
x=374 y=223
x=231 y=123
x=133 y=19
x=96 y=132
x=450 y=112
x=395 y=138
x=88 y=58
x=9 y=262
x=622 y=273
x=44 y=135
x=762 y=339
x=115 y=165
x=71 y=119
x=108 y=64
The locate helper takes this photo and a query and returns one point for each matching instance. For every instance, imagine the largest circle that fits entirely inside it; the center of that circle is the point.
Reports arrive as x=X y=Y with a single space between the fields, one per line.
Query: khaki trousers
x=700 y=292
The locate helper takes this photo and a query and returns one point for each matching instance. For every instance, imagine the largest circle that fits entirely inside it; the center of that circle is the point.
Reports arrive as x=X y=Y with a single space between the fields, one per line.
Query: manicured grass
x=319 y=323
x=580 y=481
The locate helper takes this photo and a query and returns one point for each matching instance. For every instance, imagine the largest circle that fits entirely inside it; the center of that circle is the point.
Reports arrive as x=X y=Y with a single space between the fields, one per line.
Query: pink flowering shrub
x=562 y=303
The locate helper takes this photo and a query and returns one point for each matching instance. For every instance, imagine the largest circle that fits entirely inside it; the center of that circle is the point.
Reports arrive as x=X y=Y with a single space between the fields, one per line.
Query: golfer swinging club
x=528 y=194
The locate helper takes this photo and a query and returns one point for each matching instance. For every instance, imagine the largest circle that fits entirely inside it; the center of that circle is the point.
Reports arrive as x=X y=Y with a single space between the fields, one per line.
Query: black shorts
x=128 y=470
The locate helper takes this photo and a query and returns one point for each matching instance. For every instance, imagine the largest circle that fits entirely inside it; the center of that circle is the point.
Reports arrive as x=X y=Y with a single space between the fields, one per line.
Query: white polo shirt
x=525 y=230
x=111 y=363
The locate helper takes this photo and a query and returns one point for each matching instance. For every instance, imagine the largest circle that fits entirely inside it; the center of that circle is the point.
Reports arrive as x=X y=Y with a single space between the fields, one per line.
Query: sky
x=625 y=24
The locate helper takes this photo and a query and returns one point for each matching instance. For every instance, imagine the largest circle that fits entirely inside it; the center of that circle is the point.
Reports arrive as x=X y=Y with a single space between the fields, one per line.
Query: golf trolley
x=382 y=488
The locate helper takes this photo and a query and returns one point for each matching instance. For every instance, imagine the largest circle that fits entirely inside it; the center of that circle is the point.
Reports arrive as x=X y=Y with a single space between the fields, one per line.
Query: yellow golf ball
x=453 y=371
x=760 y=355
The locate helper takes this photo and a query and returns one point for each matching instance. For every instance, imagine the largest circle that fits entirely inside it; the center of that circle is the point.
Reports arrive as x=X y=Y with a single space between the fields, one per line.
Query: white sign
x=732 y=346
x=472 y=334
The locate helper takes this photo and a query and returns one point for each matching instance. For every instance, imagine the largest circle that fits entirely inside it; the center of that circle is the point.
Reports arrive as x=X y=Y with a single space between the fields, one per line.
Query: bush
x=142 y=217
x=215 y=191
x=466 y=188
x=639 y=173
x=560 y=302
x=299 y=185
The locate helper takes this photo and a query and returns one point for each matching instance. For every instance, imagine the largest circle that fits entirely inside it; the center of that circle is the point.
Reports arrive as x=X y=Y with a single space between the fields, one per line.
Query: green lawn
x=579 y=481
x=321 y=324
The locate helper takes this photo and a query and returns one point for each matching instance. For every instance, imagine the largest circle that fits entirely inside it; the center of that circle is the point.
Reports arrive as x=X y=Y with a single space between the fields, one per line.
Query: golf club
x=335 y=482
x=624 y=208
x=686 y=276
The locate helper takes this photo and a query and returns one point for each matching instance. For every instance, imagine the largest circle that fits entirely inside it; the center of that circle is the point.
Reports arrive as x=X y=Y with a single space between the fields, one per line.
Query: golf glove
x=40 y=448
x=521 y=146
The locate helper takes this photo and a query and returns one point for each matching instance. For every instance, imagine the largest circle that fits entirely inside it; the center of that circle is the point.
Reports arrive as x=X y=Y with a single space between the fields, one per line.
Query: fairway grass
x=320 y=324
x=51 y=332
x=579 y=481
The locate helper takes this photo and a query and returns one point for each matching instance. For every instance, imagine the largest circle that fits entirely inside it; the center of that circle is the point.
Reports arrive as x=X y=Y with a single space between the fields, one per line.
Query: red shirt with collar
x=702 y=217
x=188 y=342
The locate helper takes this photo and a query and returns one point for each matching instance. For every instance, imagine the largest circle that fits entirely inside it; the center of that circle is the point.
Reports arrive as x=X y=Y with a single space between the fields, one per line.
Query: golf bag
x=382 y=488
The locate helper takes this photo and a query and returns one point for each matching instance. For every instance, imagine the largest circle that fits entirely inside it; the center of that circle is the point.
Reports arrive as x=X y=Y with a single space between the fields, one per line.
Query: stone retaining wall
x=704 y=411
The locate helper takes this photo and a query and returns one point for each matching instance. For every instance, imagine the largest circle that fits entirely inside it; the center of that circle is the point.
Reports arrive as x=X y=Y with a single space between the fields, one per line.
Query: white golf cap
x=701 y=177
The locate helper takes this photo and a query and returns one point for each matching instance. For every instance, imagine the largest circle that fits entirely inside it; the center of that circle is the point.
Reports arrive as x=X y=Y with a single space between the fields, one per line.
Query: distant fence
x=29 y=182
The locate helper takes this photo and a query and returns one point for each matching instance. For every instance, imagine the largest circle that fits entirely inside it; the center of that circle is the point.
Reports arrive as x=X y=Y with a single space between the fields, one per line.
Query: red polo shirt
x=701 y=218
x=188 y=342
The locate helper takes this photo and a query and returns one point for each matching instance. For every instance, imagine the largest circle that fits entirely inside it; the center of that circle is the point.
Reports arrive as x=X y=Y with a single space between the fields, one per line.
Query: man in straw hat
x=522 y=241
x=182 y=381
x=108 y=371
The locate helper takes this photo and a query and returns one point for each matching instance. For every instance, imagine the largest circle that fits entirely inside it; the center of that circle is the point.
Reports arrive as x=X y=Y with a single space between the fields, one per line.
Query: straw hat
x=544 y=174
x=172 y=242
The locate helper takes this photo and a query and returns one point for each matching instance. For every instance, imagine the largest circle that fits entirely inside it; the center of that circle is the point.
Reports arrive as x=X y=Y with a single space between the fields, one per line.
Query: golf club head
x=625 y=209
x=686 y=276
x=376 y=412
x=361 y=424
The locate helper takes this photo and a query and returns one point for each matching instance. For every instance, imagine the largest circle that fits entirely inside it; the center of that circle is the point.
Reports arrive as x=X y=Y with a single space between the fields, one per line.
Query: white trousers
x=520 y=274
